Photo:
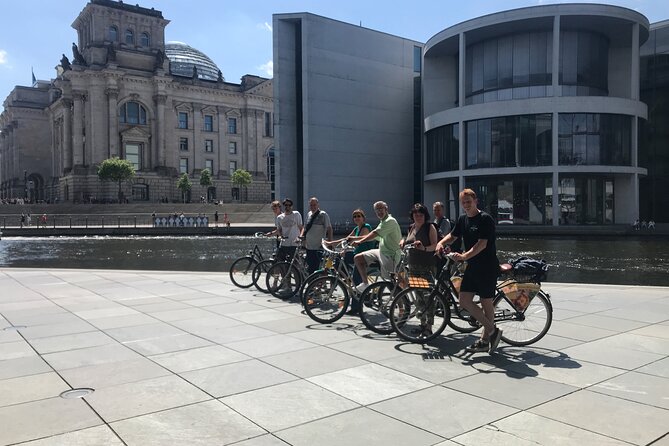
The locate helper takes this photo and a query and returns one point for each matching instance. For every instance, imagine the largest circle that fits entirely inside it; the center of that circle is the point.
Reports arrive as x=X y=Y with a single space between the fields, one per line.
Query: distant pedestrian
x=42 y=220
x=651 y=225
x=226 y=220
x=23 y=219
x=644 y=225
x=28 y=219
x=216 y=218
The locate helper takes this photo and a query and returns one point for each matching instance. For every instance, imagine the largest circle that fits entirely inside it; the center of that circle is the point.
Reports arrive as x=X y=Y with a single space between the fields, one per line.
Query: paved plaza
x=187 y=359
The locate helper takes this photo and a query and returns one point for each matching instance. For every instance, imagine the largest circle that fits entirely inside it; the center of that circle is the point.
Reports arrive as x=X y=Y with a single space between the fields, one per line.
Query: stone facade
x=119 y=97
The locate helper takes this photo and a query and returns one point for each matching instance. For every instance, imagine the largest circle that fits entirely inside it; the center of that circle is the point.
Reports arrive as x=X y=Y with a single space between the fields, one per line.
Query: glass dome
x=184 y=57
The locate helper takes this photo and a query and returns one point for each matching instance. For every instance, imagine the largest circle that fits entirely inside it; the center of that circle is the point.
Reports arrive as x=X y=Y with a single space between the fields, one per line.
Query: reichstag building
x=124 y=92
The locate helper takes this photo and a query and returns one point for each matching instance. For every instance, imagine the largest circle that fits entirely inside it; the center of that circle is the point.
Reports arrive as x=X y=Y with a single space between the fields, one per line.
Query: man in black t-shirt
x=477 y=229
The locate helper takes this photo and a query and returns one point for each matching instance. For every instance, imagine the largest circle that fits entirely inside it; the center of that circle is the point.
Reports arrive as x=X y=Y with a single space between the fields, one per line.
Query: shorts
x=374 y=255
x=481 y=281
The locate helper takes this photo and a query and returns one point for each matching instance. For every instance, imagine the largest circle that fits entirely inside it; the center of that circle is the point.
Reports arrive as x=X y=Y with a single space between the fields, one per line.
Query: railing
x=106 y=221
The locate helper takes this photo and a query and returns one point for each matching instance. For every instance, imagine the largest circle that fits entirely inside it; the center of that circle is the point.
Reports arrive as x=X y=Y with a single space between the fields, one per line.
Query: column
x=634 y=75
x=461 y=70
x=112 y=112
x=556 y=179
x=160 y=154
x=556 y=56
x=67 y=136
x=77 y=130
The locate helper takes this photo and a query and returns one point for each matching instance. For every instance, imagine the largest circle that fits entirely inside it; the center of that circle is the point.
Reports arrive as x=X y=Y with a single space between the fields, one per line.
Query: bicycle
x=259 y=273
x=328 y=292
x=241 y=270
x=522 y=309
x=284 y=279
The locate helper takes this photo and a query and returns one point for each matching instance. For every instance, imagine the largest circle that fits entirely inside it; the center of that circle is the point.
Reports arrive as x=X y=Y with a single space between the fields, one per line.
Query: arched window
x=129 y=37
x=145 y=40
x=132 y=113
x=113 y=33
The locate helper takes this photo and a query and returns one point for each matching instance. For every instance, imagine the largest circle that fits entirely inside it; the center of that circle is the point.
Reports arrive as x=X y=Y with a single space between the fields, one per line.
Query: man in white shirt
x=290 y=226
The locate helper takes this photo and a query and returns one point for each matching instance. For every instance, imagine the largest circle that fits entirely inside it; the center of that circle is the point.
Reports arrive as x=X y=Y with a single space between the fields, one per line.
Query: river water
x=634 y=261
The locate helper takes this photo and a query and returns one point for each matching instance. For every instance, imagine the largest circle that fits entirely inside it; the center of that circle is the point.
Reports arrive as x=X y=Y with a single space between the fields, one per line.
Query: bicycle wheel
x=419 y=315
x=326 y=299
x=375 y=306
x=527 y=327
x=310 y=278
x=241 y=271
x=283 y=280
x=260 y=273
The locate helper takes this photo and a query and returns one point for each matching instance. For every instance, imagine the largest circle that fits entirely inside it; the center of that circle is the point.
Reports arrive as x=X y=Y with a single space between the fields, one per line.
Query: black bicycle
x=241 y=270
x=522 y=309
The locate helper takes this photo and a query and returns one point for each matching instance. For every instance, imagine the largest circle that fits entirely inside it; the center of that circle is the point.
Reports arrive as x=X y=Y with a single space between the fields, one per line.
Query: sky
x=236 y=35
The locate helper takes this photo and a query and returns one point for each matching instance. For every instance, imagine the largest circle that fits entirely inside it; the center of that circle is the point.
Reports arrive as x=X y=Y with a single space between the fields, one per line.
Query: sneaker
x=494 y=339
x=361 y=287
x=478 y=347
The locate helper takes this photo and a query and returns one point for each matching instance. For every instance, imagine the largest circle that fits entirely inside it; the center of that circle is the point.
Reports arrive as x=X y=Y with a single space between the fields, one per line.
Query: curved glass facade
x=515 y=66
x=584 y=63
x=594 y=139
x=509 y=141
x=443 y=149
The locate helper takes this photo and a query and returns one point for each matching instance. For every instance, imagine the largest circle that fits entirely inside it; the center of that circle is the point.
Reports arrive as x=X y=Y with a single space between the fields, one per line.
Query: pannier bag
x=527 y=269
x=521 y=294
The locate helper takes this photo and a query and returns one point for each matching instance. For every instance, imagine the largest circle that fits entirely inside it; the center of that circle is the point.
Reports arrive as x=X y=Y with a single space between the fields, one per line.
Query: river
x=633 y=261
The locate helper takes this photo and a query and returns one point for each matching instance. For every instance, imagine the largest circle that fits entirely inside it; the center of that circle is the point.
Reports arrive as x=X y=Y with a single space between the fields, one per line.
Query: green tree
x=241 y=178
x=115 y=169
x=184 y=185
x=205 y=181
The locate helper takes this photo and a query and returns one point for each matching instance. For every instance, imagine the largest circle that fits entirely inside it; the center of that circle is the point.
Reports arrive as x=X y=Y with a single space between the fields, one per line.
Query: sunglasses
x=357 y=216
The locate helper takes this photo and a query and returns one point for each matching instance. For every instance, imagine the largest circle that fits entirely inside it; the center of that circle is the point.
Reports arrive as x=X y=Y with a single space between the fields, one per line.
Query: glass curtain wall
x=586 y=200
x=443 y=149
x=510 y=141
x=584 y=63
x=516 y=201
x=594 y=139
x=515 y=66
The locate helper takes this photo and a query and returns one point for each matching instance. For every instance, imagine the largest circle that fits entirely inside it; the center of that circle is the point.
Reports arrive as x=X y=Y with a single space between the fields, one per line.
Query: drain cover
x=14 y=328
x=77 y=393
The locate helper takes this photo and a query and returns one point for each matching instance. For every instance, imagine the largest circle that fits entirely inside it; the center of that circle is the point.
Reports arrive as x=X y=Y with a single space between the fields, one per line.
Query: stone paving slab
x=187 y=358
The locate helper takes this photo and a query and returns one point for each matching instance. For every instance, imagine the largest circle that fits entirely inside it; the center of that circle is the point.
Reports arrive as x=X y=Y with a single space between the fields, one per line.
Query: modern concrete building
x=165 y=107
x=347 y=102
x=537 y=109
x=654 y=133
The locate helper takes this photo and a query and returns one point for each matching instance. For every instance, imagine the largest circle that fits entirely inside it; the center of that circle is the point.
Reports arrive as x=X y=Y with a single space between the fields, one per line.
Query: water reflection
x=643 y=261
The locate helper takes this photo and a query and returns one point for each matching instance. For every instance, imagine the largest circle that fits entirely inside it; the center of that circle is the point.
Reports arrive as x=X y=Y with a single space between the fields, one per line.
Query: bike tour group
x=442 y=273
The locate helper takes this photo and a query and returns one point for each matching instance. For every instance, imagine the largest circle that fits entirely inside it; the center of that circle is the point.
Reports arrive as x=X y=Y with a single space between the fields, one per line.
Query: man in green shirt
x=389 y=234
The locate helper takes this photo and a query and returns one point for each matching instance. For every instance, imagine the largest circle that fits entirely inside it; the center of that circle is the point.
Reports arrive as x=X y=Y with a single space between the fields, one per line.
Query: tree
x=241 y=178
x=184 y=185
x=115 y=169
x=205 y=181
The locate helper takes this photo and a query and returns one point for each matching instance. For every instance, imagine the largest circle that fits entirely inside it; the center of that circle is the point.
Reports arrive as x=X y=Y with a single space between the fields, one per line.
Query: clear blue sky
x=236 y=35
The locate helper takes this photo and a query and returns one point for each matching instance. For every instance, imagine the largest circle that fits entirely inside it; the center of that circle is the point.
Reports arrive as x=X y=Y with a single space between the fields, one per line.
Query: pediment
x=209 y=110
x=135 y=132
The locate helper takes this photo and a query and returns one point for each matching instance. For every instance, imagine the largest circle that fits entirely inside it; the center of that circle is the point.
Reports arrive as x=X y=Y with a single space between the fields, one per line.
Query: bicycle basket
x=521 y=294
x=421 y=261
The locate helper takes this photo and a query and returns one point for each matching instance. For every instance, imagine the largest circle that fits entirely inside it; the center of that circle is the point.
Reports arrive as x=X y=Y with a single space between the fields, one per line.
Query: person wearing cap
x=318 y=227
x=289 y=225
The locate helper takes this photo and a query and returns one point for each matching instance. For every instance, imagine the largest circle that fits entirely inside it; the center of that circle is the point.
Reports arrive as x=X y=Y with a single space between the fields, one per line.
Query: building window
x=208 y=145
x=232 y=167
x=113 y=33
x=584 y=63
x=183 y=165
x=208 y=123
x=514 y=66
x=133 y=153
x=417 y=56
x=232 y=148
x=510 y=141
x=232 y=125
x=183 y=144
x=129 y=37
x=209 y=165
x=586 y=200
x=443 y=149
x=517 y=200
x=132 y=113
x=183 y=120
x=140 y=192
x=145 y=40
x=268 y=124
x=593 y=138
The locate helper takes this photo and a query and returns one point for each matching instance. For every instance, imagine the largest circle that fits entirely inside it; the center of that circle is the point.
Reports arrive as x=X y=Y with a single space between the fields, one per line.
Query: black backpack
x=527 y=269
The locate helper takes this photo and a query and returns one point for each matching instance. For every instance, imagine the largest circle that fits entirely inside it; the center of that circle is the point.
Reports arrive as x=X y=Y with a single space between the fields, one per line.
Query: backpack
x=527 y=269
